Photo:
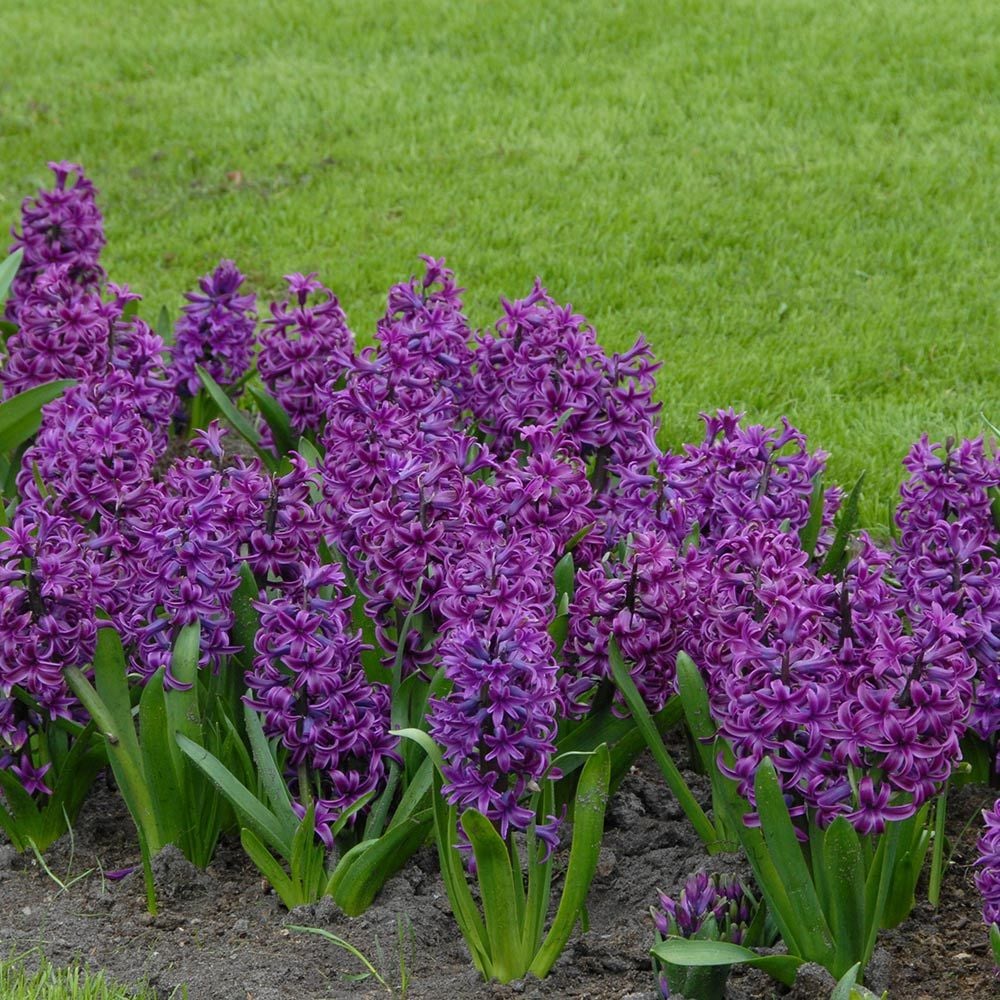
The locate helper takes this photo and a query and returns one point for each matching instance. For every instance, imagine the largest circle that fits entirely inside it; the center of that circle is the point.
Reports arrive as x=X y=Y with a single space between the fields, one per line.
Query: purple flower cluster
x=63 y=332
x=50 y=588
x=948 y=556
x=497 y=727
x=713 y=907
x=215 y=330
x=305 y=350
x=59 y=227
x=988 y=863
x=308 y=683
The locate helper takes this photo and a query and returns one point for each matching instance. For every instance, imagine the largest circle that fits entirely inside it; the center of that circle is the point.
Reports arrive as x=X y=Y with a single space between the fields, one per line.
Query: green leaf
x=270 y=776
x=160 y=762
x=674 y=779
x=809 y=534
x=995 y=942
x=8 y=271
x=164 y=328
x=276 y=418
x=246 y=619
x=836 y=558
x=496 y=889
x=21 y=416
x=425 y=742
x=813 y=936
x=585 y=849
x=565 y=576
x=355 y=887
x=269 y=867
x=683 y=951
x=844 y=871
x=697 y=713
x=846 y=983
x=254 y=813
x=236 y=418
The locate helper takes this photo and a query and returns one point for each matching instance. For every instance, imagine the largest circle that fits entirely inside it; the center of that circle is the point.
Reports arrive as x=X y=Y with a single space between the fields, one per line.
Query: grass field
x=795 y=201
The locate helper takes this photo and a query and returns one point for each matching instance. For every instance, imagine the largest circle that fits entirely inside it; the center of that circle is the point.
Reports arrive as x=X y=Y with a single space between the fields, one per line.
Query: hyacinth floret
x=59 y=226
x=215 y=330
x=305 y=349
x=309 y=685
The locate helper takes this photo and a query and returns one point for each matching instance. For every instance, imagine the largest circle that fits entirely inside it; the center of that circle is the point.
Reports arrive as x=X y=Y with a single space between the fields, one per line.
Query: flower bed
x=341 y=603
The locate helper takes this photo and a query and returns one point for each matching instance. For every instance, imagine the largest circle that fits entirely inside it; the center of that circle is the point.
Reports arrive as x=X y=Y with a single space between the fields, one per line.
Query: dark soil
x=224 y=935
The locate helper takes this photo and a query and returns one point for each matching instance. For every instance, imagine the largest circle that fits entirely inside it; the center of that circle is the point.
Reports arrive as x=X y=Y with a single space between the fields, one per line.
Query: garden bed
x=223 y=934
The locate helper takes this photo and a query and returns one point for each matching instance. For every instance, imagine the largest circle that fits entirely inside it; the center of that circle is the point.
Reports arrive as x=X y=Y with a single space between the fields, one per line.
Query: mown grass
x=795 y=201
x=49 y=983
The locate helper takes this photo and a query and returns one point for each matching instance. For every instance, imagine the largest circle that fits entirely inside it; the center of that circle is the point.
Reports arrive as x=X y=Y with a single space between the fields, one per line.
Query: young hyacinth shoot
x=708 y=908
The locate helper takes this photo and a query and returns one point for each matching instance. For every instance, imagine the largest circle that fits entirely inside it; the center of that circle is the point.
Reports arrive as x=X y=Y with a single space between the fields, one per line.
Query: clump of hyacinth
x=988 y=864
x=50 y=589
x=423 y=340
x=185 y=565
x=861 y=715
x=497 y=726
x=708 y=908
x=215 y=330
x=309 y=685
x=948 y=555
x=63 y=332
x=544 y=368
x=304 y=350
x=647 y=602
x=715 y=907
x=738 y=474
x=59 y=226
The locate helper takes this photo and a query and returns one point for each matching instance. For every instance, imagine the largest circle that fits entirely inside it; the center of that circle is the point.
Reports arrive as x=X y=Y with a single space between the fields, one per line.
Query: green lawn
x=795 y=201
x=49 y=983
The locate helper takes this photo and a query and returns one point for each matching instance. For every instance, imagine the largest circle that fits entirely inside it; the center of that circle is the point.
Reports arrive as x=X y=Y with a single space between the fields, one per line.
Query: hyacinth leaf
x=995 y=942
x=496 y=888
x=21 y=416
x=276 y=418
x=161 y=760
x=914 y=843
x=235 y=418
x=697 y=714
x=110 y=706
x=416 y=791
x=565 y=576
x=688 y=952
x=879 y=883
x=248 y=807
x=672 y=775
x=246 y=619
x=585 y=849
x=845 y=878
x=994 y=494
x=836 y=558
x=8 y=271
x=809 y=535
x=539 y=877
x=269 y=867
x=814 y=936
x=354 y=886
x=21 y=818
x=845 y=985
x=269 y=775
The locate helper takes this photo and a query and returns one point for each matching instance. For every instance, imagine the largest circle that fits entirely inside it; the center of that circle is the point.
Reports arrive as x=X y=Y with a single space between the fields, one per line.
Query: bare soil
x=223 y=935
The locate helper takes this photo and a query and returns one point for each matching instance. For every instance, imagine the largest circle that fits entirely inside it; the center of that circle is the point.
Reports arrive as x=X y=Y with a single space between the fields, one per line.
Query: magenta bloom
x=304 y=350
x=215 y=330
x=61 y=226
x=988 y=863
